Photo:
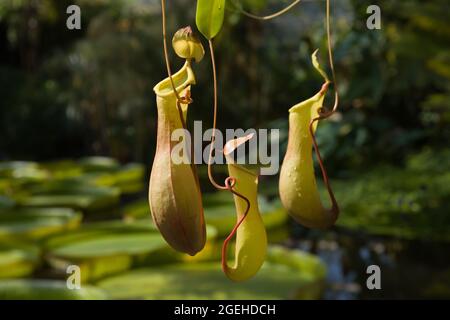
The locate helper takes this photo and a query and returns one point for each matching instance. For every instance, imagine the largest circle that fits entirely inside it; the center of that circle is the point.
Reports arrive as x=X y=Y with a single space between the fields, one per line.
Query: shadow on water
x=409 y=269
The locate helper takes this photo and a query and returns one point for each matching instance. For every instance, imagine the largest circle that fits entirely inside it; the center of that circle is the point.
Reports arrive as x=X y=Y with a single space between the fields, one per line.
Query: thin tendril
x=236 y=227
x=186 y=99
x=213 y=135
x=230 y=182
x=268 y=17
x=166 y=54
x=325 y=114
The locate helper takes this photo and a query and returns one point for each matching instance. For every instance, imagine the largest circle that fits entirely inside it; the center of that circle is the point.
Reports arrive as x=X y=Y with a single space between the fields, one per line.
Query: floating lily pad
x=105 y=248
x=136 y=210
x=13 y=169
x=129 y=173
x=221 y=213
x=129 y=178
x=17 y=260
x=46 y=290
x=22 y=173
x=310 y=265
x=70 y=194
x=219 y=210
x=214 y=199
x=99 y=164
x=36 y=223
x=288 y=278
x=4 y=185
x=63 y=169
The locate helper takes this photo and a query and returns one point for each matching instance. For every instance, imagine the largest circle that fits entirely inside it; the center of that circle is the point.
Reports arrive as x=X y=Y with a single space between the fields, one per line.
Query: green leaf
x=36 y=223
x=220 y=212
x=209 y=17
x=105 y=248
x=17 y=259
x=290 y=274
x=316 y=65
x=46 y=290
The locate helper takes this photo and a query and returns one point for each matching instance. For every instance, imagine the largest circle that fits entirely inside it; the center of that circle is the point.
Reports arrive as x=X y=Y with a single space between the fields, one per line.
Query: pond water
x=409 y=269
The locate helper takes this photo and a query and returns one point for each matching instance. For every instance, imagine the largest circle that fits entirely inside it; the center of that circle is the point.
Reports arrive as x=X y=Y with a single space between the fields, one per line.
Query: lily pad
x=4 y=185
x=16 y=174
x=63 y=169
x=130 y=173
x=128 y=178
x=99 y=164
x=47 y=290
x=217 y=199
x=18 y=169
x=136 y=210
x=106 y=248
x=17 y=260
x=220 y=212
x=37 y=223
x=287 y=279
x=68 y=193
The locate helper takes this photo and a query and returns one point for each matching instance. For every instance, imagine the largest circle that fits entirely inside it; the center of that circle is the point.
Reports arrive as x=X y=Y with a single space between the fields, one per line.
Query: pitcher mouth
x=231 y=146
x=319 y=95
x=181 y=79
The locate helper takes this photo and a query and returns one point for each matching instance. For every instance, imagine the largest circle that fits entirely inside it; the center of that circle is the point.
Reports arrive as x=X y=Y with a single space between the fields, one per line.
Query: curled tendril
x=324 y=114
x=230 y=186
x=180 y=100
x=230 y=182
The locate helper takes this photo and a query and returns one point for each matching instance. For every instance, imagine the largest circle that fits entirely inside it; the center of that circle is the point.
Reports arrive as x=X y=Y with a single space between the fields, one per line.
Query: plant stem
x=326 y=114
x=271 y=16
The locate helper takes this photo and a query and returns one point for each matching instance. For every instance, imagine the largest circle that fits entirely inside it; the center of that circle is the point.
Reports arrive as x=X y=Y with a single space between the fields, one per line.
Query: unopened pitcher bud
x=187 y=45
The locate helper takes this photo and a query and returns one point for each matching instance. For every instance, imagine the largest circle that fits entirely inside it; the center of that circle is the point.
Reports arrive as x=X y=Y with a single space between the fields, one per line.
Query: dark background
x=67 y=93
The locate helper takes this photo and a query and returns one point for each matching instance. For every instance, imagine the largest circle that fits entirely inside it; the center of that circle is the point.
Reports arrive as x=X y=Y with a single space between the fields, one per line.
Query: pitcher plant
x=298 y=188
x=174 y=192
x=251 y=239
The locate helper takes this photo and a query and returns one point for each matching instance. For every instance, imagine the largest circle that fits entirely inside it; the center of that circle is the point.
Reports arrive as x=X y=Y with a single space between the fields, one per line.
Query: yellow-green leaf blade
x=316 y=65
x=209 y=17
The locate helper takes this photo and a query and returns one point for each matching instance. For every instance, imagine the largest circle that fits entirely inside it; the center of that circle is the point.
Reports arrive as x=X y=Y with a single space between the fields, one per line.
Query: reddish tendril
x=323 y=114
x=180 y=99
x=230 y=182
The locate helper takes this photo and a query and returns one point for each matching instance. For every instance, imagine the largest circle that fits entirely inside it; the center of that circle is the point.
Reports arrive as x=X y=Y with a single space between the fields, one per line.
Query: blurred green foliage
x=411 y=203
x=89 y=91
